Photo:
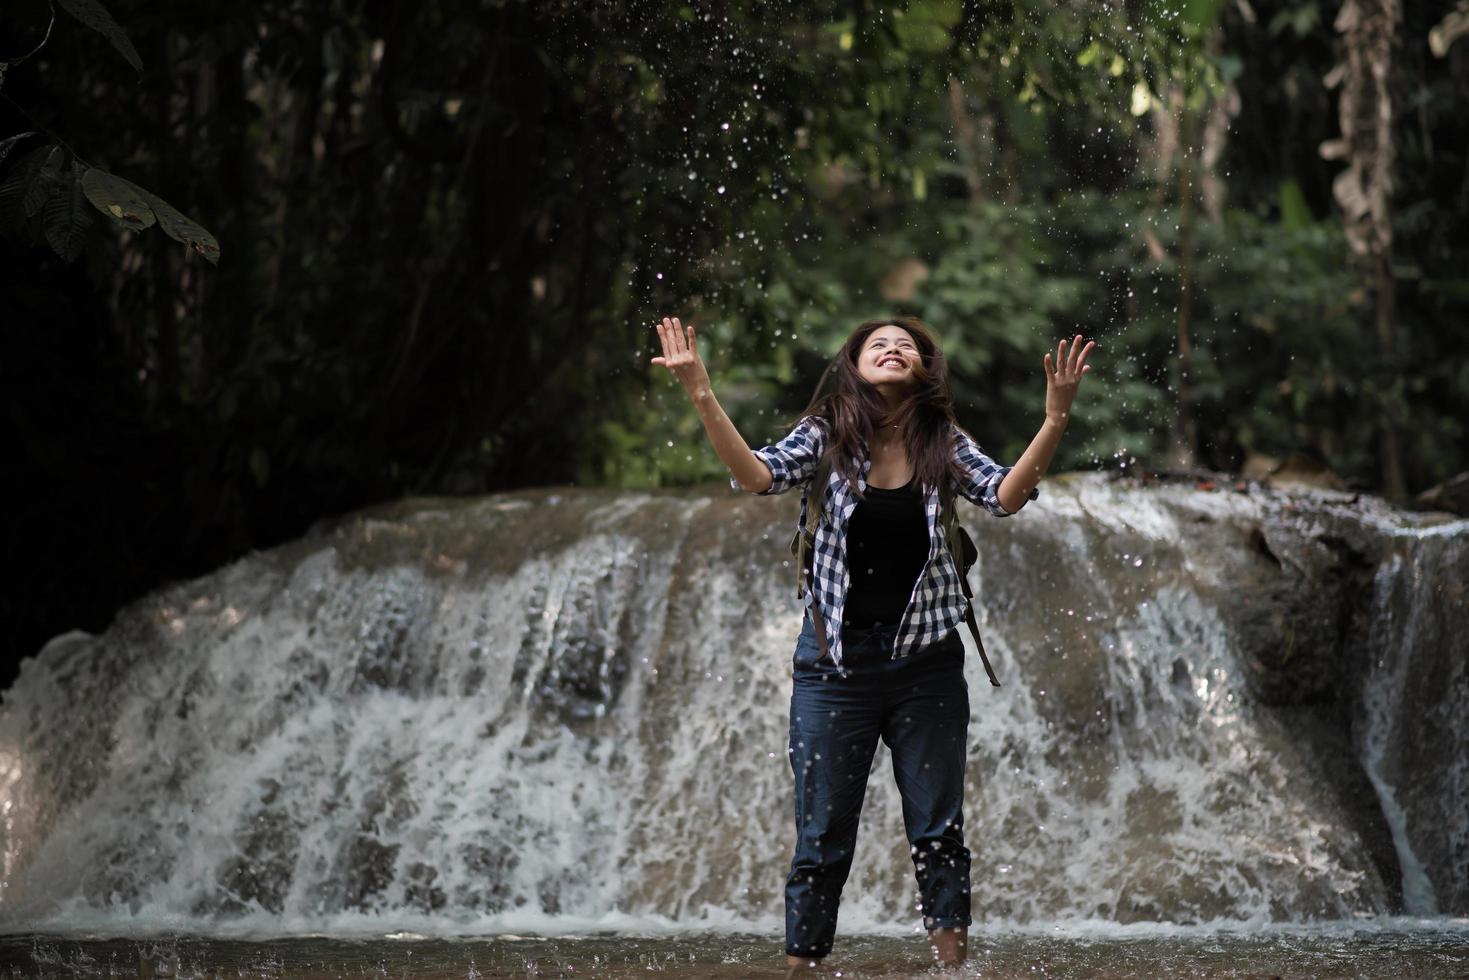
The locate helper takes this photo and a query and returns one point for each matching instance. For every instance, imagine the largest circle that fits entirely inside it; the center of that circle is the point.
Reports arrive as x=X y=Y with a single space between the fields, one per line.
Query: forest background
x=429 y=242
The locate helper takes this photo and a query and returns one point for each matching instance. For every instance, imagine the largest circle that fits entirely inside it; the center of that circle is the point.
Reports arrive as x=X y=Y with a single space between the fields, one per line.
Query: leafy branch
x=53 y=182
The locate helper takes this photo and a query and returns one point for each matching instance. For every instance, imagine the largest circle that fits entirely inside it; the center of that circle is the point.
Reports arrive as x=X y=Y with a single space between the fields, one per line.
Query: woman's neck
x=886 y=435
x=890 y=399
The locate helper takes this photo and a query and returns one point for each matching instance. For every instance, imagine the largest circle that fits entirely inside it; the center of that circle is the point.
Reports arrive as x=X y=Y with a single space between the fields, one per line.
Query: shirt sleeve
x=792 y=459
x=981 y=476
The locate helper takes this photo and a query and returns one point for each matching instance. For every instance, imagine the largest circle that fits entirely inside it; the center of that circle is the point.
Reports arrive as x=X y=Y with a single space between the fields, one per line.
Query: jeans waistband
x=882 y=638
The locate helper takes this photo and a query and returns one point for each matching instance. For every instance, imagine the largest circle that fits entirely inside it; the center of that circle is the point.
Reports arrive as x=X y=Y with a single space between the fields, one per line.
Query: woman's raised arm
x=1062 y=379
x=681 y=357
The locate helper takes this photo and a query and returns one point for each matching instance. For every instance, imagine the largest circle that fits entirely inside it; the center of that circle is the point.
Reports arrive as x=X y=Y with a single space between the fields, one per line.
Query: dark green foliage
x=67 y=214
x=120 y=200
x=23 y=184
x=8 y=144
x=33 y=184
x=95 y=16
x=451 y=226
x=45 y=181
x=175 y=225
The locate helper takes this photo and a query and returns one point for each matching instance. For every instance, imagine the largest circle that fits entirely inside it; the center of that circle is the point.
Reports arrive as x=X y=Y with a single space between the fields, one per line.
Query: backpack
x=960 y=546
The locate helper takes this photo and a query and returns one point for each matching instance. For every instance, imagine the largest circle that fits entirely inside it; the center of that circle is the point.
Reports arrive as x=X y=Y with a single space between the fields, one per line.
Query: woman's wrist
x=702 y=396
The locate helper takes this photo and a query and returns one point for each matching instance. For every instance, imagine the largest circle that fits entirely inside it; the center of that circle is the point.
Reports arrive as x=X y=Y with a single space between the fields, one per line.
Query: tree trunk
x=1365 y=110
x=1185 y=443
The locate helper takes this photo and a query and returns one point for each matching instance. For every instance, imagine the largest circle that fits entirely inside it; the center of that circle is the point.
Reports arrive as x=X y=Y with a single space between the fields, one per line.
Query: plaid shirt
x=937 y=603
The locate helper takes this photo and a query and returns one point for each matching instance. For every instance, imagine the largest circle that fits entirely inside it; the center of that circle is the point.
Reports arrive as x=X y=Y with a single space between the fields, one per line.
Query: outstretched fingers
x=678 y=341
x=1069 y=366
x=1078 y=356
x=669 y=335
x=662 y=340
x=1075 y=350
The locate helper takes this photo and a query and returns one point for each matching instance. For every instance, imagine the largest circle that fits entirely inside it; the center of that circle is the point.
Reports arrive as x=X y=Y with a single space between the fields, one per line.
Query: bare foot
x=801 y=966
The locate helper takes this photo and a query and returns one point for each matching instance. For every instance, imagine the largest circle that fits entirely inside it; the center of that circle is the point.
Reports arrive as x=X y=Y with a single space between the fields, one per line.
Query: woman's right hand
x=681 y=356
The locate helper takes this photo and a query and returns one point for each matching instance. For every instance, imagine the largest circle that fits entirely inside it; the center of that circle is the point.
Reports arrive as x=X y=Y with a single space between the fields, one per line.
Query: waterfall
x=1415 y=735
x=568 y=709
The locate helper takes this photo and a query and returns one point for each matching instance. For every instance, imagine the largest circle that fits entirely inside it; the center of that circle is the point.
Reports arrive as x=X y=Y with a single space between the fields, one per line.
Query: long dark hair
x=853 y=409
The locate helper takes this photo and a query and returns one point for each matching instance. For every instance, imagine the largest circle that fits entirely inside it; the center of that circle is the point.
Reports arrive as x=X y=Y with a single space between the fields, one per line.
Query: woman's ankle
x=797 y=965
x=950 y=946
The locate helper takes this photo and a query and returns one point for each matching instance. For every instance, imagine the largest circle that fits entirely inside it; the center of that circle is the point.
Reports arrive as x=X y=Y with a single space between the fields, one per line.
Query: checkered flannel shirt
x=937 y=603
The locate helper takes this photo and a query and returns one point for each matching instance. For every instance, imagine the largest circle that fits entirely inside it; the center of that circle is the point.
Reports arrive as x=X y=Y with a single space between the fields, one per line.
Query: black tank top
x=887 y=547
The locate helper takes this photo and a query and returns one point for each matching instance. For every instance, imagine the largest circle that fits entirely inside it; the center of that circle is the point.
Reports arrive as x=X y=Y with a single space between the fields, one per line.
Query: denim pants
x=919 y=707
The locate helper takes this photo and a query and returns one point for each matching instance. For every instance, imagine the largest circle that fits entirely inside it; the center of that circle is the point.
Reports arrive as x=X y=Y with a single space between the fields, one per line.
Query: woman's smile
x=887 y=355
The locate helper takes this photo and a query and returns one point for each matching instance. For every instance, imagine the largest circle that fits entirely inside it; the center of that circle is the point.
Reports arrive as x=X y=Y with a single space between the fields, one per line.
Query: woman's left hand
x=1062 y=379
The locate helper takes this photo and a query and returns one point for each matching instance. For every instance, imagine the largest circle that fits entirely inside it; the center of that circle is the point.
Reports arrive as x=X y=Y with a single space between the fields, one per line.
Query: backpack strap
x=964 y=553
x=803 y=545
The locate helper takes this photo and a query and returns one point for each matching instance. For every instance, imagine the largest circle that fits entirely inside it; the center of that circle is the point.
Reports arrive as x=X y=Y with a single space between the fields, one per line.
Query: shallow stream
x=1388 y=949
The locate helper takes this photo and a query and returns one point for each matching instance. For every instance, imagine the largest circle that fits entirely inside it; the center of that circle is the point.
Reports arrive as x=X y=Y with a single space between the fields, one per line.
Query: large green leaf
x=67 y=216
x=118 y=199
x=95 y=16
x=17 y=185
x=26 y=167
x=46 y=183
x=178 y=226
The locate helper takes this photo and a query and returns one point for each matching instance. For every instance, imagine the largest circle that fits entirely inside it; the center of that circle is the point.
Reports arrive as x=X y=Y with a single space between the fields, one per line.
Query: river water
x=1383 y=949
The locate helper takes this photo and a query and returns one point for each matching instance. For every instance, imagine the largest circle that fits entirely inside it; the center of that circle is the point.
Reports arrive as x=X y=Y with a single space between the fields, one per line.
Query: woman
x=886 y=597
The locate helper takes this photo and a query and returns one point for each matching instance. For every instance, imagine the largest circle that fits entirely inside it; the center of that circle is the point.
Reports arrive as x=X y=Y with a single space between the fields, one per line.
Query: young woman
x=886 y=594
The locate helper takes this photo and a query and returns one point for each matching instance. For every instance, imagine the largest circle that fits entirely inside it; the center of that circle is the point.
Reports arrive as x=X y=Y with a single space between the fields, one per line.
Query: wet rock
x=421 y=891
x=1257 y=466
x=367 y=870
x=1452 y=496
x=1304 y=470
x=1295 y=593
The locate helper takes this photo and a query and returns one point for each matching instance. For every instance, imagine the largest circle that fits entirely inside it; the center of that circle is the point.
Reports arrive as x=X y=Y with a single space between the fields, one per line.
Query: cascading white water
x=1381 y=702
x=1415 y=736
x=552 y=710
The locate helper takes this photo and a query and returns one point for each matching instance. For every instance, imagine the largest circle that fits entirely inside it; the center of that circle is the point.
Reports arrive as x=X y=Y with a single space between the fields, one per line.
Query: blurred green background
x=445 y=232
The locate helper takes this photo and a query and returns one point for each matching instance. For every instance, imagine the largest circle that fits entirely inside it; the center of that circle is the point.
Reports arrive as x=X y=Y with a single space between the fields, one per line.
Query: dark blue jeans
x=918 y=706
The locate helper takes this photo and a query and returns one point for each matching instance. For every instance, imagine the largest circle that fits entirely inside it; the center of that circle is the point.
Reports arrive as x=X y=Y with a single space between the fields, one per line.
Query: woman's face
x=888 y=357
